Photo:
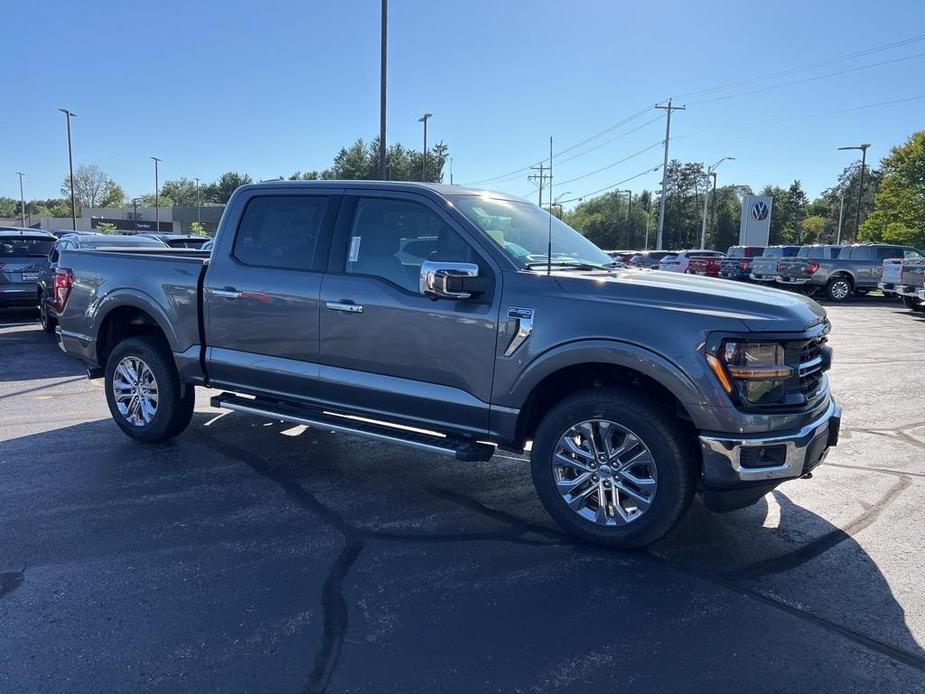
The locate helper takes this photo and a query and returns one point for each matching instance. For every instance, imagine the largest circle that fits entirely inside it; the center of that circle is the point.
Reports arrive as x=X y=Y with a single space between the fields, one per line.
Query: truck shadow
x=28 y=353
x=377 y=496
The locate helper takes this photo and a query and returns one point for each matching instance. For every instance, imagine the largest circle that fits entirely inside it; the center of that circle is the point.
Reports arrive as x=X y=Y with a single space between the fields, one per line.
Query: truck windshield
x=521 y=230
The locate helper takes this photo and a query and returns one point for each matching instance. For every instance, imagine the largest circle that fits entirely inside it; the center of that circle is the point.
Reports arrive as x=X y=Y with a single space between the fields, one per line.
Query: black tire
x=667 y=440
x=913 y=303
x=48 y=322
x=175 y=401
x=839 y=289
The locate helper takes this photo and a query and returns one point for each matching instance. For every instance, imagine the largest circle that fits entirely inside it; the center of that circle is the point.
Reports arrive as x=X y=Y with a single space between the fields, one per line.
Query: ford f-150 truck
x=436 y=317
x=737 y=265
x=764 y=267
x=839 y=274
x=905 y=278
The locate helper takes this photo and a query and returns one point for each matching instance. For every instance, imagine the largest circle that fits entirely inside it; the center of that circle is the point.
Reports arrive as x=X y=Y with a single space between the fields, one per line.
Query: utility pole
x=841 y=213
x=857 y=215
x=661 y=204
x=540 y=179
x=198 y=203
x=70 y=166
x=451 y=170
x=383 y=46
x=157 y=201
x=22 y=201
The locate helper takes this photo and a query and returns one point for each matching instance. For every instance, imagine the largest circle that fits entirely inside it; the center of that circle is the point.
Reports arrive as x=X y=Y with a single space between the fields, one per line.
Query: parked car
x=890 y=275
x=706 y=266
x=47 y=295
x=23 y=255
x=622 y=256
x=851 y=270
x=649 y=259
x=764 y=267
x=911 y=282
x=737 y=265
x=680 y=261
x=180 y=240
x=630 y=403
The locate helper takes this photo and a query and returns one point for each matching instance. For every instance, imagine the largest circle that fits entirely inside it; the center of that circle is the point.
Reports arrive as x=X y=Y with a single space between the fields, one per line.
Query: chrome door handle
x=226 y=293
x=344 y=306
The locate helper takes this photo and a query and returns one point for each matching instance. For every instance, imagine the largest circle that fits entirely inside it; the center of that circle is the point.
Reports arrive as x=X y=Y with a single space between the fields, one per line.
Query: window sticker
x=355 y=249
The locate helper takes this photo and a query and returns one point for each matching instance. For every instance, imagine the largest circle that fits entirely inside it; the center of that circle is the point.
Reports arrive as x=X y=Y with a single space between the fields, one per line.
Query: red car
x=708 y=266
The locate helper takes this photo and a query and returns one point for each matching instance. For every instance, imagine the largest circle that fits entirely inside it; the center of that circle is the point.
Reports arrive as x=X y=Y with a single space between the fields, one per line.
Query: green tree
x=197 y=229
x=93 y=188
x=106 y=228
x=181 y=191
x=222 y=189
x=899 y=206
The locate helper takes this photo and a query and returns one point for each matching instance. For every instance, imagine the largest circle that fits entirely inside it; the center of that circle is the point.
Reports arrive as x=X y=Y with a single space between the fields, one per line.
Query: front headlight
x=753 y=372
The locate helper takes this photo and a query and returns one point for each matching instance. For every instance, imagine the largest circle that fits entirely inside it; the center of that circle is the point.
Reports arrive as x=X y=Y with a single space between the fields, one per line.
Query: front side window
x=280 y=231
x=391 y=239
x=522 y=230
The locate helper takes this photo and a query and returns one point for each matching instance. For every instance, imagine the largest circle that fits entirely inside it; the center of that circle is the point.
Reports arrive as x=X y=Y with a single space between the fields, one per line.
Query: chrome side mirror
x=445 y=280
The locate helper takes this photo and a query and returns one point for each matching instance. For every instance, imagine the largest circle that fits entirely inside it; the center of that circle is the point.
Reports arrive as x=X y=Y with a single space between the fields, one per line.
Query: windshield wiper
x=575 y=264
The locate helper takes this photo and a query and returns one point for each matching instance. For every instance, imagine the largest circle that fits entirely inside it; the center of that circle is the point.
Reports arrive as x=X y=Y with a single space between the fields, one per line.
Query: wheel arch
x=129 y=314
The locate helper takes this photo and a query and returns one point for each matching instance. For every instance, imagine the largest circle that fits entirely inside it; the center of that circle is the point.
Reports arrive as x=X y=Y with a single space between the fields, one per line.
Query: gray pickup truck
x=436 y=317
x=904 y=277
x=839 y=271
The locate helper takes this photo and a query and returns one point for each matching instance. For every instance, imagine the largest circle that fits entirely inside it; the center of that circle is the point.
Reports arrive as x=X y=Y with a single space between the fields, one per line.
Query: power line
x=810 y=66
x=614 y=185
x=809 y=79
x=610 y=166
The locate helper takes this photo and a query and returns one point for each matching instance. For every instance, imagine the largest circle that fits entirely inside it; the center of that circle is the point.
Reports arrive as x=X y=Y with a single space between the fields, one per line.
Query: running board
x=458 y=448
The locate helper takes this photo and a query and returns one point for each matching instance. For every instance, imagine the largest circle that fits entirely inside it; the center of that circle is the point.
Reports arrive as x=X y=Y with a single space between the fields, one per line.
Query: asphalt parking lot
x=255 y=556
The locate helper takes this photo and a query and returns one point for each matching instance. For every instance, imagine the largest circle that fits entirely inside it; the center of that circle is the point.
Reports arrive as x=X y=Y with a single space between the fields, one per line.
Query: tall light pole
x=383 y=54
x=423 y=119
x=857 y=216
x=558 y=205
x=629 y=201
x=841 y=214
x=157 y=200
x=70 y=166
x=198 y=203
x=135 y=205
x=22 y=201
x=711 y=171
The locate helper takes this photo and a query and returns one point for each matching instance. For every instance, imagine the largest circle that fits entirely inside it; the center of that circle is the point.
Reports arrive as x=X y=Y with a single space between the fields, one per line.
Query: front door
x=261 y=294
x=387 y=349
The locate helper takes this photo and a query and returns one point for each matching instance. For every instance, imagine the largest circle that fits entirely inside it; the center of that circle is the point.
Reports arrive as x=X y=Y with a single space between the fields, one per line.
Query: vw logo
x=760 y=211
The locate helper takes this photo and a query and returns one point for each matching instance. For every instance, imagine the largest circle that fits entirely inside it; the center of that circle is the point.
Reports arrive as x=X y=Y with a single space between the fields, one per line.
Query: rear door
x=388 y=350
x=261 y=292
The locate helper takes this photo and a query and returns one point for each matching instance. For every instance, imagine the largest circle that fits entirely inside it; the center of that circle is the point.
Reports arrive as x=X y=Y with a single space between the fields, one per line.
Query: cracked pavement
x=249 y=555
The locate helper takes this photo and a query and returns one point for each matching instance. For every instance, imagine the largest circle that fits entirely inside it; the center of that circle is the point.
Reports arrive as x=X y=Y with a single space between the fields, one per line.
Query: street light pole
x=423 y=119
x=157 y=200
x=22 y=201
x=857 y=216
x=841 y=212
x=135 y=212
x=70 y=166
x=383 y=54
x=198 y=203
x=711 y=171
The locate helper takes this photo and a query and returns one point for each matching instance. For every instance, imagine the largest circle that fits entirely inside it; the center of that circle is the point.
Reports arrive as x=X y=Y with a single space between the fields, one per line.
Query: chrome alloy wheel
x=840 y=289
x=604 y=472
x=135 y=391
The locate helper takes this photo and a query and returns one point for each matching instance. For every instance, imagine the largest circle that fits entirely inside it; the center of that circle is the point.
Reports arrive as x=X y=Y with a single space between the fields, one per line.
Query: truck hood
x=760 y=309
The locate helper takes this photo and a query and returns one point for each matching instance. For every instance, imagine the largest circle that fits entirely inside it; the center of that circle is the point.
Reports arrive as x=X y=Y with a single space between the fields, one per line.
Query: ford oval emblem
x=760 y=211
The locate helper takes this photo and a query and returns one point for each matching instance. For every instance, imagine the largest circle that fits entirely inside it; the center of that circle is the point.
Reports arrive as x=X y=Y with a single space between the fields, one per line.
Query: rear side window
x=281 y=231
x=24 y=247
x=911 y=253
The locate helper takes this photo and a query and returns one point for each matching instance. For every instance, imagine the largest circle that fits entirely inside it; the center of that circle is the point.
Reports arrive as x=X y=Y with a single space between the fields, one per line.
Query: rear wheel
x=839 y=289
x=48 y=322
x=613 y=468
x=144 y=393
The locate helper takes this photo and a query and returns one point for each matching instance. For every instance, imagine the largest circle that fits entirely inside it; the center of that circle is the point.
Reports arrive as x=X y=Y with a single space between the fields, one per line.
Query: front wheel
x=613 y=468
x=838 y=289
x=144 y=393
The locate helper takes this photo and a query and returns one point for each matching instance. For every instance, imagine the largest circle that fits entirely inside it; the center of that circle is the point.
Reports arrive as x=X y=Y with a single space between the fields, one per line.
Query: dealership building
x=170 y=220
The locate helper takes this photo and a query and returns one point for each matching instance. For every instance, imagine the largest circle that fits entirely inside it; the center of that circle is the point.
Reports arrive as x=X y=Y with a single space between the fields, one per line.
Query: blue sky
x=272 y=87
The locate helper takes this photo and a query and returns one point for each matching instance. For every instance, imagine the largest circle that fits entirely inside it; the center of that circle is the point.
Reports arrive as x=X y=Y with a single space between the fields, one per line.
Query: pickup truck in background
x=764 y=267
x=706 y=266
x=434 y=317
x=906 y=279
x=853 y=269
x=680 y=261
x=737 y=265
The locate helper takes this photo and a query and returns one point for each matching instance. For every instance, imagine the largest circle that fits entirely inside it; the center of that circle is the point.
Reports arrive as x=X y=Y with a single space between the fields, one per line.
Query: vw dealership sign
x=755 y=227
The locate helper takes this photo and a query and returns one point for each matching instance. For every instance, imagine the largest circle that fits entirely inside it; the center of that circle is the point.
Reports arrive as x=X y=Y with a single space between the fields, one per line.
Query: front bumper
x=763 y=461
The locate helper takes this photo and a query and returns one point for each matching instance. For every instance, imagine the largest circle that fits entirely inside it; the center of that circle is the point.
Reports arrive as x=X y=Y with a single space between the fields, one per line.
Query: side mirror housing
x=446 y=280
